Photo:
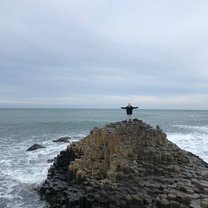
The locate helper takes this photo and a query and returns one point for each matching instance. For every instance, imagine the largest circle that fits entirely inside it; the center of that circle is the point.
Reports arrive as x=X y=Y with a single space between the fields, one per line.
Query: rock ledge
x=126 y=164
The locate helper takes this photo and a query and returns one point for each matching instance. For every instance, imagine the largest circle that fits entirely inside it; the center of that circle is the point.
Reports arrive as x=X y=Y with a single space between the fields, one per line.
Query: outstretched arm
x=123 y=107
x=135 y=107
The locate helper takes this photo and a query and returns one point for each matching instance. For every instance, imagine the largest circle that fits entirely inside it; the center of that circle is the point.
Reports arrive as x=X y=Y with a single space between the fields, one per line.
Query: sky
x=104 y=54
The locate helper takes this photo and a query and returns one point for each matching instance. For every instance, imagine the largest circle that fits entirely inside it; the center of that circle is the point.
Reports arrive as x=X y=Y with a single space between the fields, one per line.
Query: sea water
x=22 y=171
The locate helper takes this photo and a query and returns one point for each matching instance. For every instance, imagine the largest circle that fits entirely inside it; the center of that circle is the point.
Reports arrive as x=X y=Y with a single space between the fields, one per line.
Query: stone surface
x=126 y=164
x=35 y=147
x=63 y=139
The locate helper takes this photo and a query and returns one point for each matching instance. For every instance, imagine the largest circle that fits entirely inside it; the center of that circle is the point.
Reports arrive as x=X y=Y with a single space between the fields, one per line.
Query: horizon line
x=96 y=108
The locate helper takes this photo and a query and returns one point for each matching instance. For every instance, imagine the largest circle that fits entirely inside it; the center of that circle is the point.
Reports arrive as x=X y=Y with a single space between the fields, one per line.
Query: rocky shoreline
x=126 y=164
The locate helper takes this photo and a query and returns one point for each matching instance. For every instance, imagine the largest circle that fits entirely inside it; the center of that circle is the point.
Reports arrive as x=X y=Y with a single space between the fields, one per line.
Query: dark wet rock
x=63 y=139
x=50 y=160
x=35 y=147
x=126 y=164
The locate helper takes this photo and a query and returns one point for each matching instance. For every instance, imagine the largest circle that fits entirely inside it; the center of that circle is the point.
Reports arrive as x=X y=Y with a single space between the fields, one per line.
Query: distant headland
x=128 y=165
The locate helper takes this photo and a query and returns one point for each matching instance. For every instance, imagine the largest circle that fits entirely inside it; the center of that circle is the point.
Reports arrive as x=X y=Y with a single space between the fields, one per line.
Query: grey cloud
x=58 y=49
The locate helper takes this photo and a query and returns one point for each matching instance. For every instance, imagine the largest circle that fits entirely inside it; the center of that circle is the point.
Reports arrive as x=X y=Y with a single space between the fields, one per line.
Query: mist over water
x=21 y=171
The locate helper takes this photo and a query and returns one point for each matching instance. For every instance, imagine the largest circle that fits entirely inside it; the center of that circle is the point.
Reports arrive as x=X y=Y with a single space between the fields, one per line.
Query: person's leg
x=128 y=117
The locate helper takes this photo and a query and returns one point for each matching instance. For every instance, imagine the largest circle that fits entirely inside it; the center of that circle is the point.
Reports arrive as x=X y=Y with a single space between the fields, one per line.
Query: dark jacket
x=129 y=109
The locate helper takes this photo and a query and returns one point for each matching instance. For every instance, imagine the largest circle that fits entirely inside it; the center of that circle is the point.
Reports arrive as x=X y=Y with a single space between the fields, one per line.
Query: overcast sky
x=104 y=54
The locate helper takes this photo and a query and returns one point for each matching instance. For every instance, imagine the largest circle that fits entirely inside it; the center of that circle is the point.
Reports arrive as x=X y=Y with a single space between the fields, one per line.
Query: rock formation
x=126 y=164
x=63 y=139
x=35 y=147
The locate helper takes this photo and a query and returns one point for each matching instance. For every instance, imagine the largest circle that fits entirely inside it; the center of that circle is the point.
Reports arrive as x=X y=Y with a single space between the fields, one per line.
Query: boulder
x=35 y=147
x=63 y=139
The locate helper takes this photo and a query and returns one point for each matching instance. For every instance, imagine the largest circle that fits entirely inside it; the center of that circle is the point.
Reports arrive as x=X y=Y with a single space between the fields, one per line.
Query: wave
x=33 y=163
x=203 y=129
x=194 y=142
x=18 y=195
x=22 y=170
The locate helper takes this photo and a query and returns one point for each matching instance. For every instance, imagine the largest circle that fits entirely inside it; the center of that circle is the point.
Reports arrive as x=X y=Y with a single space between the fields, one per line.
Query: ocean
x=21 y=171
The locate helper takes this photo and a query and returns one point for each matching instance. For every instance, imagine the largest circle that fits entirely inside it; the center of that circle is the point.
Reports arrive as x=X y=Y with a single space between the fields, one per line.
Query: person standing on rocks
x=129 y=110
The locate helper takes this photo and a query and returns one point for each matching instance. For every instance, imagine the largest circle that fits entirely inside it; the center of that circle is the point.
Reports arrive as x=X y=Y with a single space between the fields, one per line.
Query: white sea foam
x=21 y=169
x=32 y=166
x=192 y=138
x=194 y=142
